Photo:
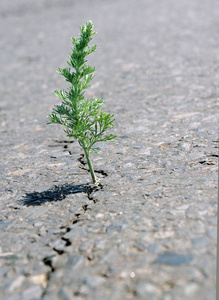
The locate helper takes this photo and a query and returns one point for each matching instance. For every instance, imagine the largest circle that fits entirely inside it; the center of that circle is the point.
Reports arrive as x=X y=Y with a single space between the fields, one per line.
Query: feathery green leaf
x=83 y=118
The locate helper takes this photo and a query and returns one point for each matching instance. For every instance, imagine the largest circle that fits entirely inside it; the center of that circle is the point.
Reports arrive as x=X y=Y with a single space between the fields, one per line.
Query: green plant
x=83 y=118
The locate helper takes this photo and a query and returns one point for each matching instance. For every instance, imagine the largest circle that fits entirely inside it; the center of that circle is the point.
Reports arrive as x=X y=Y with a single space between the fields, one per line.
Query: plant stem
x=87 y=154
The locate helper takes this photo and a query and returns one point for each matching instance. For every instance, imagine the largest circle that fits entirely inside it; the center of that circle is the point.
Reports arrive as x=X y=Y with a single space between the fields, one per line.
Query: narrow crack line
x=59 y=193
x=91 y=190
x=67 y=242
x=83 y=168
x=81 y=159
x=85 y=207
x=57 y=142
x=59 y=251
x=213 y=155
x=205 y=162
x=101 y=172
x=49 y=260
x=83 y=163
x=64 y=141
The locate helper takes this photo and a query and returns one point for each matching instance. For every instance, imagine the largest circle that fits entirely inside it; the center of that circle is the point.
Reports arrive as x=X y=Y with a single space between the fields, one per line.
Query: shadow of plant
x=56 y=193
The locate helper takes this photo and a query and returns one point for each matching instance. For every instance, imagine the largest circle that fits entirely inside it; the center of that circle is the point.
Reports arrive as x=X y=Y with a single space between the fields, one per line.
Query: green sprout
x=83 y=118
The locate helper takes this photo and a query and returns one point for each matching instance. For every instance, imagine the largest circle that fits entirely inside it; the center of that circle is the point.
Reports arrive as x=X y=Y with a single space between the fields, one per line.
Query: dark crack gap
x=81 y=159
x=101 y=172
x=88 y=189
x=48 y=262
x=59 y=193
x=67 y=242
x=83 y=163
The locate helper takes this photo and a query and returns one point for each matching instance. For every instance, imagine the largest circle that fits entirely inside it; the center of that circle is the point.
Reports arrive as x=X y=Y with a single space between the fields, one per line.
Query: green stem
x=87 y=154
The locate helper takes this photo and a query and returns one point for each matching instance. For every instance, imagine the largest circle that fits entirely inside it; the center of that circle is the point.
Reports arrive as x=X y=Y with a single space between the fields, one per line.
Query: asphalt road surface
x=149 y=231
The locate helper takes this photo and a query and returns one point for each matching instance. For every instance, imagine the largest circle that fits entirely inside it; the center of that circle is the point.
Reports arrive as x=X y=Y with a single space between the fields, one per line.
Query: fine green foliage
x=83 y=118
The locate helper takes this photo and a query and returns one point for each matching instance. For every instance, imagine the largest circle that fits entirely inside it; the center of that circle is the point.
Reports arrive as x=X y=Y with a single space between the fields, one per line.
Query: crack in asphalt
x=48 y=261
x=59 y=193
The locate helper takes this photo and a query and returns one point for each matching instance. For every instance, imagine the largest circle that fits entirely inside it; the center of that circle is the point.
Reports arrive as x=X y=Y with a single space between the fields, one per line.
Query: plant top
x=83 y=118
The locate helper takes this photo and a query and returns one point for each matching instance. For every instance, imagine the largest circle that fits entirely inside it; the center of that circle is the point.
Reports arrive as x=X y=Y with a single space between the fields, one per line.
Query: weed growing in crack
x=83 y=118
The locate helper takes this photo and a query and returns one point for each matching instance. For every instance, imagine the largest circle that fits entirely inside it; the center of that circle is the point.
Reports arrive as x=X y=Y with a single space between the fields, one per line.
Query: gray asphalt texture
x=149 y=231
